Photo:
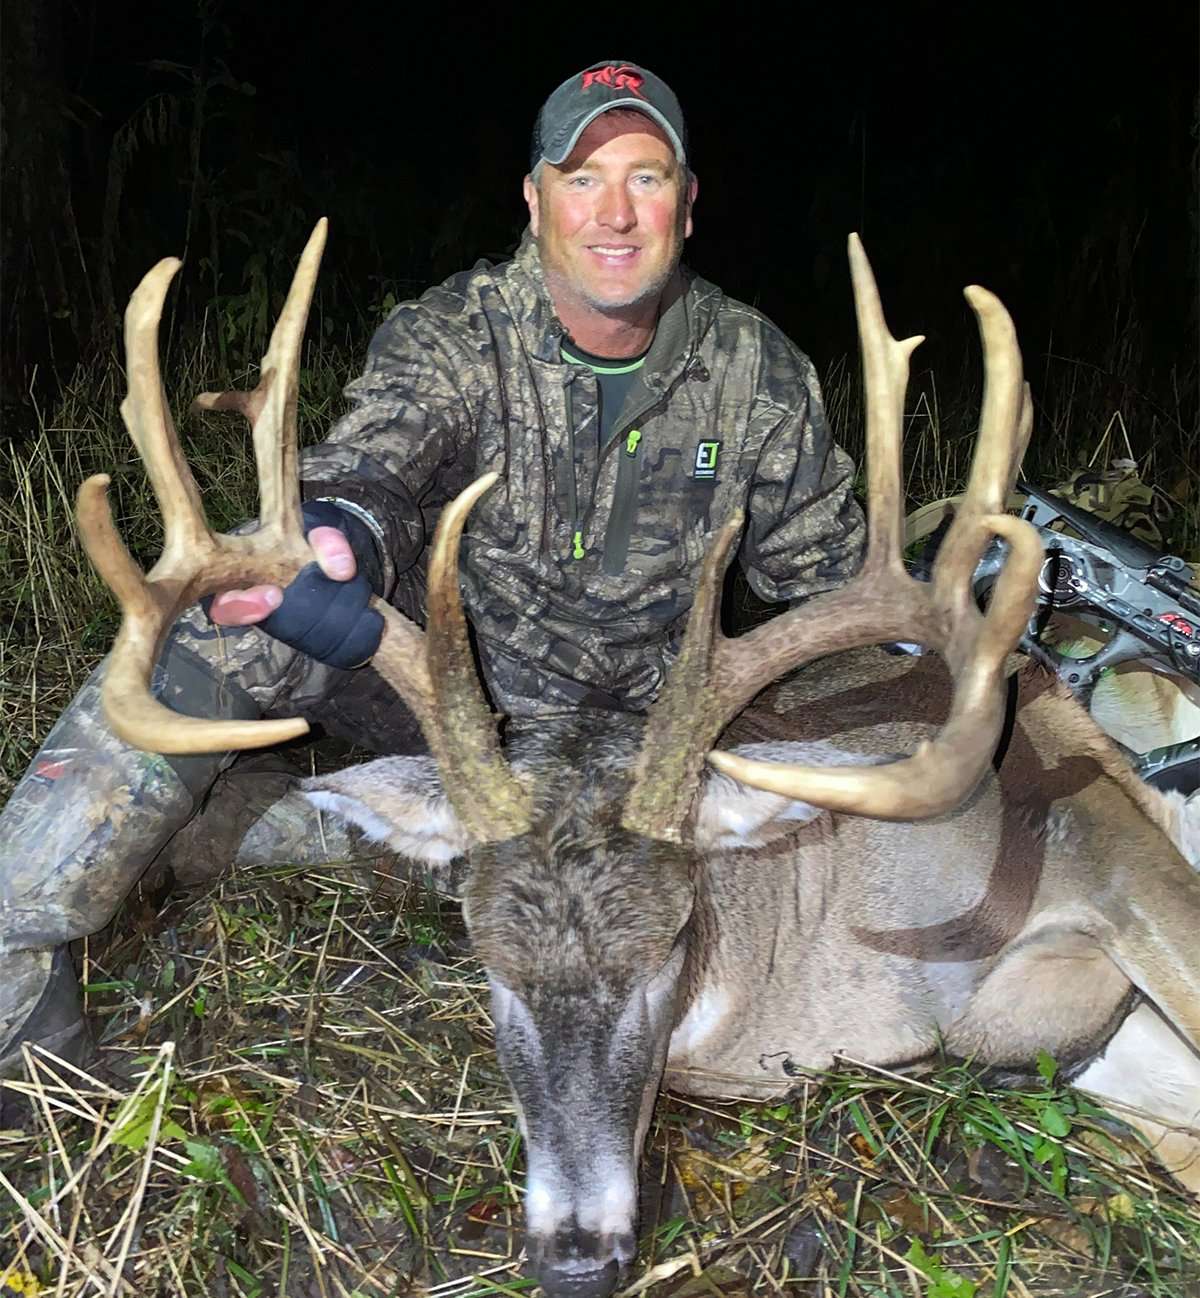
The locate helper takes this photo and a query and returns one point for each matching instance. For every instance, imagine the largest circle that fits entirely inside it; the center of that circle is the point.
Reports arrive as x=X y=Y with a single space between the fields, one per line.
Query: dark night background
x=1047 y=151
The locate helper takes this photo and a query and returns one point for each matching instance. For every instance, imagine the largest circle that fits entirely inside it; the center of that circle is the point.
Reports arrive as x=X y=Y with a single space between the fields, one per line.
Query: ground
x=296 y=1093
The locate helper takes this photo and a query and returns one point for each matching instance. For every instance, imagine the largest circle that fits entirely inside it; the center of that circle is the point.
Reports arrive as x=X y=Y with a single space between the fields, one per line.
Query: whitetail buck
x=639 y=916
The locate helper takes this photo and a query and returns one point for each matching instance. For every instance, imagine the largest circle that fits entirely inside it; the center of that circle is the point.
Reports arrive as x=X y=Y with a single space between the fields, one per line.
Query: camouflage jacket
x=469 y=378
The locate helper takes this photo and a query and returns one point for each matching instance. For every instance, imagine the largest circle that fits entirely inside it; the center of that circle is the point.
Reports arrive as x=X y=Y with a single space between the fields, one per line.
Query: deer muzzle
x=580 y=1244
x=585 y=1072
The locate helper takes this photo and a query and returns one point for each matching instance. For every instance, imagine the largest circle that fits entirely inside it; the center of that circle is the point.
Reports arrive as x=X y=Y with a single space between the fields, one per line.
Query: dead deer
x=729 y=930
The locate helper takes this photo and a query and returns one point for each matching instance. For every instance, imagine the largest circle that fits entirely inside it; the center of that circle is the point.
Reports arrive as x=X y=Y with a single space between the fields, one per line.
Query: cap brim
x=639 y=105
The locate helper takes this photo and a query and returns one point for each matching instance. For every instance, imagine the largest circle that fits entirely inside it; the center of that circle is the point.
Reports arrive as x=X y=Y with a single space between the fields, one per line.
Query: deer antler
x=882 y=603
x=195 y=561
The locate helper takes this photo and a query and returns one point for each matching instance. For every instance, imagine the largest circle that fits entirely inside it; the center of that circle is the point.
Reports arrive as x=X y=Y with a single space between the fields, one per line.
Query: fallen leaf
x=240 y=1175
x=1067 y=1234
x=862 y=1147
x=905 y=1211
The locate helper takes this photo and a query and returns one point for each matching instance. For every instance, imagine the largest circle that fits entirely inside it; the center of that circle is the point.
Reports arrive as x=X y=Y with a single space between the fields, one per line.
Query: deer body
x=1018 y=920
x=1030 y=918
x=642 y=916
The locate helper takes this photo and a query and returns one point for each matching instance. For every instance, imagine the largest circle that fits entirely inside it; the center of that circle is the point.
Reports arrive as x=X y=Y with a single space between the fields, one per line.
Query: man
x=629 y=406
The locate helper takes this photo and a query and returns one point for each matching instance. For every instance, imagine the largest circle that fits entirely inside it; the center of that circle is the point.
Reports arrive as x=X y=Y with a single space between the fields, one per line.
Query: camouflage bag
x=1119 y=496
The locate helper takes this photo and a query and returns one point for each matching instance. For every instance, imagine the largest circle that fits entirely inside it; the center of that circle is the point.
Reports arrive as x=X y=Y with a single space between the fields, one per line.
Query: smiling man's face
x=610 y=220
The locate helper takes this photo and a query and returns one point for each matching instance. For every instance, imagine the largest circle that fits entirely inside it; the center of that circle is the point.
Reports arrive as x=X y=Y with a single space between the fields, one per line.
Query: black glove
x=327 y=619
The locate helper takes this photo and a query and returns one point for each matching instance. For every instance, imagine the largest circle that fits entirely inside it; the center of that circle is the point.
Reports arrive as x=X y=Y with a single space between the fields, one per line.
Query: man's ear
x=396 y=800
x=533 y=202
x=693 y=188
x=733 y=815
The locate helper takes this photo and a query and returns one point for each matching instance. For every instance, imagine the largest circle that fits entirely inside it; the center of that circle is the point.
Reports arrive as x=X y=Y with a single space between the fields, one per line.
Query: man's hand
x=244 y=607
x=325 y=609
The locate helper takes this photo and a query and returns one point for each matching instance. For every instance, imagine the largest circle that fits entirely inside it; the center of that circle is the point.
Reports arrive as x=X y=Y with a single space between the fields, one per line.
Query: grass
x=296 y=1091
x=296 y=1094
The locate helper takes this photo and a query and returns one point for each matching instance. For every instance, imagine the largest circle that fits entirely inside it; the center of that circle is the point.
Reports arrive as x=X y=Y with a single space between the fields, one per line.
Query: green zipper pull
x=631 y=442
x=577 y=552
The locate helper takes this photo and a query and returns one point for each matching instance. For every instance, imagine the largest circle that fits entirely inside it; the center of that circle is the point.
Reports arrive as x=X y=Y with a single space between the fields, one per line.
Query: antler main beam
x=882 y=603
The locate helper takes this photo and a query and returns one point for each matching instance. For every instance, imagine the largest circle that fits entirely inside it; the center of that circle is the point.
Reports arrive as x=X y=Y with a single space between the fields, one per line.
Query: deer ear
x=396 y=800
x=733 y=815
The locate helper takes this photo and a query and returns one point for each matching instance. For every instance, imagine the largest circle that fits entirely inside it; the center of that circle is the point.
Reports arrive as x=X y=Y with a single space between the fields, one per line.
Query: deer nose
x=567 y=1280
x=579 y=1263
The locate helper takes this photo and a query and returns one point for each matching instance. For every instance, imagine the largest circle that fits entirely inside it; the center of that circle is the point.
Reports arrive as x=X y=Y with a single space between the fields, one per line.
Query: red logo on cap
x=622 y=78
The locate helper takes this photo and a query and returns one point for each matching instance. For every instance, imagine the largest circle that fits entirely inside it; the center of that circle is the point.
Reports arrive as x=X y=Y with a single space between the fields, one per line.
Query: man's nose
x=616 y=208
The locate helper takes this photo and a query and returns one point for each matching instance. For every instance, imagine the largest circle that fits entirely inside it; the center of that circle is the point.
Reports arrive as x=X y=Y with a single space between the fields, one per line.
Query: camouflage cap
x=611 y=83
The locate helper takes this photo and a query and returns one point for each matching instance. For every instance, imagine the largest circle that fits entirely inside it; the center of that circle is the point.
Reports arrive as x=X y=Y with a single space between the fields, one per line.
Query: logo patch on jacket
x=706 y=459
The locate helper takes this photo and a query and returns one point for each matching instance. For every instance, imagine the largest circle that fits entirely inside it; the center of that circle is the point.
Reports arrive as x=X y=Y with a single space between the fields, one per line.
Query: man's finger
x=333 y=552
x=245 y=607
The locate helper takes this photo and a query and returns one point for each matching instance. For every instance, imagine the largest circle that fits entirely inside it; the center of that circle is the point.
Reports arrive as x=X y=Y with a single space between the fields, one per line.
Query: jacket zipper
x=624 y=492
x=577 y=550
x=620 y=521
x=619 y=530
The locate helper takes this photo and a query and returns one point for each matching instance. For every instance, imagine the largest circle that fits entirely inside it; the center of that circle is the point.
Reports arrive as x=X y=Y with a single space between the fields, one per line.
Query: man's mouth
x=613 y=252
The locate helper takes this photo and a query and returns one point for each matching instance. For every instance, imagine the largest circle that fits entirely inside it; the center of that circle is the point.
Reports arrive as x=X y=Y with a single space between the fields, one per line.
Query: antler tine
x=461 y=731
x=1003 y=430
x=1004 y=394
x=271 y=407
x=885 y=370
x=275 y=433
x=104 y=547
x=148 y=418
x=1005 y=421
x=684 y=720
